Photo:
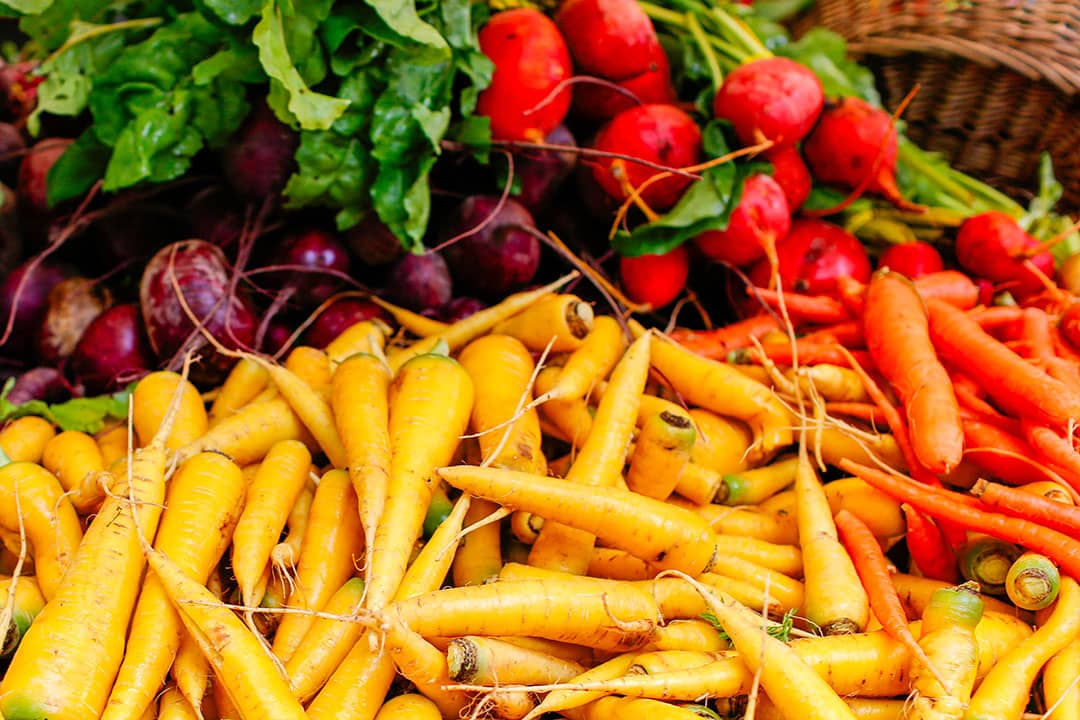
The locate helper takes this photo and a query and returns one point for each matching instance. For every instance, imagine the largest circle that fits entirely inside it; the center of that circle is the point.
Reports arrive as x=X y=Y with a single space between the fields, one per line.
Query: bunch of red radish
x=602 y=61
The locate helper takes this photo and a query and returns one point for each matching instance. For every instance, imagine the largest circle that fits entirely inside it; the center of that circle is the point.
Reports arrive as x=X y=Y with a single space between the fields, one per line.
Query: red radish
x=760 y=220
x=851 y=136
x=812 y=256
x=340 y=316
x=598 y=102
x=501 y=256
x=655 y=279
x=72 y=305
x=613 y=39
x=419 y=282
x=260 y=158
x=791 y=173
x=112 y=351
x=992 y=245
x=199 y=271
x=531 y=60
x=662 y=134
x=913 y=259
x=770 y=99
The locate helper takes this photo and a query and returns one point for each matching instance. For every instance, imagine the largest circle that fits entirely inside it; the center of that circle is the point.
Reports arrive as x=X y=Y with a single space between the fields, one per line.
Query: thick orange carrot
x=898 y=337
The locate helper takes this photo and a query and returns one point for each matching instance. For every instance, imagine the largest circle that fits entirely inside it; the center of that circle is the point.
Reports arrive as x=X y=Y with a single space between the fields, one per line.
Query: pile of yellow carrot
x=531 y=512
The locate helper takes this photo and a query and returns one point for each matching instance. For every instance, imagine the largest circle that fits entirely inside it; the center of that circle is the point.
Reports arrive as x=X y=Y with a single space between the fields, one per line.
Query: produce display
x=439 y=359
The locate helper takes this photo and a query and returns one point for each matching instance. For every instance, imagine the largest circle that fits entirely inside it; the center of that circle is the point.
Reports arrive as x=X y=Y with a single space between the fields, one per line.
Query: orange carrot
x=897 y=335
x=718 y=343
x=1018 y=503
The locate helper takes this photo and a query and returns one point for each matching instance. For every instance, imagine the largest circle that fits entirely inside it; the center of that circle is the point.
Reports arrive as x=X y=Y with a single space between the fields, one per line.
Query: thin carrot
x=246 y=380
x=897 y=335
x=1018 y=503
x=816 y=309
x=716 y=344
x=873 y=568
x=249 y=433
x=1061 y=548
x=1056 y=449
x=1061 y=692
x=1015 y=384
x=74 y=457
x=928 y=549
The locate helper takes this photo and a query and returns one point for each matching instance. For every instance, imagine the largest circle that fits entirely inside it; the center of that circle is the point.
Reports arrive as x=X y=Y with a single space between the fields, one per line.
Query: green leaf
x=825 y=52
x=27 y=7
x=87 y=415
x=332 y=171
x=75 y=172
x=240 y=63
x=405 y=25
x=474 y=131
x=312 y=110
x=233 y=12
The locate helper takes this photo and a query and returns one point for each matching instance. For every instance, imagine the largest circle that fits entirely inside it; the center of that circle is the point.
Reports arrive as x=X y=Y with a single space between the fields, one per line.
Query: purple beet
x=40 y=383
x=278 y=332
x=72 y=306
x=215 y=217
x=12 y=147
x=460 y=308
x=499 y=257
x=199 y=270
x=18 y=88
x=419 y=282
x=542 y=172
x=11 y=242
x=340 y=316
x=259 y=159
x=31 y=303
x=31 y=186
x=372 y=242
x=113 y=351
x=314 y=250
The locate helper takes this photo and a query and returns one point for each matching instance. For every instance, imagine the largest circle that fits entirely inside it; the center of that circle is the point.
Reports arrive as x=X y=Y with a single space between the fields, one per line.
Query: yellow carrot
x=1060 y=689
x=326 y=642
x=174 y=706
x=24 y=439
x=149 y=406
x=113 y=443
x=562 y=320
x=479 y=556
x=202 y=505
x=366 y=336
x=249 y=433
x=409 y=706
x=600 y=350
x=661 y=454
x=430 y=402
x=72 y=456
x=191 y=672
x=246 y=380
x=26 y=603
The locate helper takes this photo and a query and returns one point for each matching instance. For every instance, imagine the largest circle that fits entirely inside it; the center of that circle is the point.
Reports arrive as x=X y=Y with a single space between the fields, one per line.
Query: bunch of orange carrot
x=537 y=510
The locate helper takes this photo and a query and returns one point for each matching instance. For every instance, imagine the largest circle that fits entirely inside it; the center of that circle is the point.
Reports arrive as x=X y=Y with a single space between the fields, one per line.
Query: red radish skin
x=812 y=256
x=912 y=259
x=992 y=245
x=770 y=99
x=792 y=175
x=200 y=271
x=531 y=60
x=260 y=158
x=340 y=316
x=851 y=136
x=72 y=305
x=762 y=217
x=501 y=256
x=113 y=351
x=599 y=102
x=661 y=134
x=613 y=39
x=655 y=280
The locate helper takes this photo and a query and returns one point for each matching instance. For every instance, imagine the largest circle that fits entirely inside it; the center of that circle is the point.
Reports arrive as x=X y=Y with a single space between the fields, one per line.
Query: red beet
x=662 y=134
x=11 y=241
x=216 y=217
x=72 y=305
x=612 y=39
x=500 y=256
x=31 y=187
x=18 y=88
x=849 y=138
x=655 y=279
x=531 y=60
x=30 y=304
x=597 y=102
x=761 y=217
x=770 y=99
x=992 y=245
x=112 y=351
x=338 y=317
x=812 y=256
x=372 y=242
x=315 y=250
x=912 y=259
x=460 y=308
x=791 y=173
x=260 y=158
x=197 y=269
x=419 y=282
x=12 y=146
x=40 y=383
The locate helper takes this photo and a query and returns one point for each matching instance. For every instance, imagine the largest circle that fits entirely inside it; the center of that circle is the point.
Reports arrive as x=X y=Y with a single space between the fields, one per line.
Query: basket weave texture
x=999 y=80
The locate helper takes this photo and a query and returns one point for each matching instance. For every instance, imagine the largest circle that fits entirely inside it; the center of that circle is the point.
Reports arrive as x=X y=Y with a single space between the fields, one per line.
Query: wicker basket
x=999 y=79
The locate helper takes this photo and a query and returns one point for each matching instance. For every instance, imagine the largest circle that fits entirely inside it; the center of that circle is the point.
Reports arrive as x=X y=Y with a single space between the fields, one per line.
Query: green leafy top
x=87 y=415
x=781 y=630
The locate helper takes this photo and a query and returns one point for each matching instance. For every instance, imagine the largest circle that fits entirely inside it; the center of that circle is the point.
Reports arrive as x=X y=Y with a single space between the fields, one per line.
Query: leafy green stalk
x=88 y=414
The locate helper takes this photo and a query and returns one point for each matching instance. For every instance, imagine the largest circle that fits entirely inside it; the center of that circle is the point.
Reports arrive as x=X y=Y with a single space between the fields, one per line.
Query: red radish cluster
x=524 y=100
x=661 y=134
x=791 y=174
x=992 y=245
x=614 y=40
x=773 y=99
x=655 y=280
